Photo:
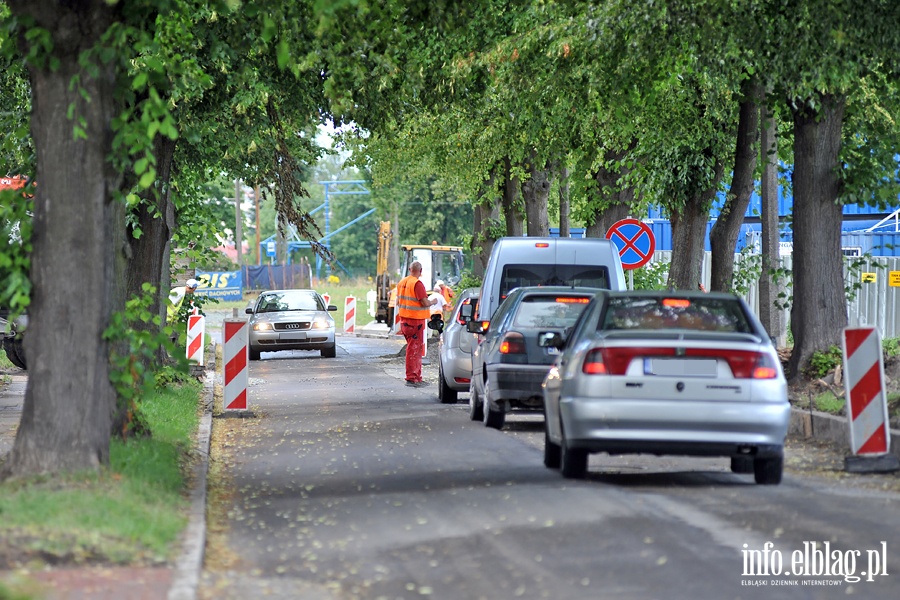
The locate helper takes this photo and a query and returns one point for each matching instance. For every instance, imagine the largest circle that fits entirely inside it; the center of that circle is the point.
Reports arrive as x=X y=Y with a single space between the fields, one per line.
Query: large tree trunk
x=77 y=268
x=769 y=314
x=820 y=304
x=512 y=209
x=724 y=234
x=536 y=193
x=688 y=236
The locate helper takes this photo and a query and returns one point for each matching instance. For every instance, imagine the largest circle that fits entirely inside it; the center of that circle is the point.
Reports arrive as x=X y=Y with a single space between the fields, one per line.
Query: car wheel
x=445 y=394
x=573 y=461
x=476 y=409
x=494 y=419
x=767 y=471
x=14 y=351
x=552 y=452
x=741 y=464
x=254 y=354
x=329 y=352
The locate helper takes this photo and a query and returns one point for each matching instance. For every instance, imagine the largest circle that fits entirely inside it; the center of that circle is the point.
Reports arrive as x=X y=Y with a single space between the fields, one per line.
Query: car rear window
x=550 y=311
x=590 y=276
x=694 y=314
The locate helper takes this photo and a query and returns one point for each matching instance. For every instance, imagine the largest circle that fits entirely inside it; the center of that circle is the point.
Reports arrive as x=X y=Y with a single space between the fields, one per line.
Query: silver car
x=291 y=320
x=455 y=350
x=686 y=373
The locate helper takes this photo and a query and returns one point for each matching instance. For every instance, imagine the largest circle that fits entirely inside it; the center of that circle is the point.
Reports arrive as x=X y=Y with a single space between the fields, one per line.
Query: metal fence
x=871 y=300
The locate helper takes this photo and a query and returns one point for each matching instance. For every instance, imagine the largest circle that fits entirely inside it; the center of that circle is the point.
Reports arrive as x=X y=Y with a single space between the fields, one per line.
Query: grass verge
x=128 y=513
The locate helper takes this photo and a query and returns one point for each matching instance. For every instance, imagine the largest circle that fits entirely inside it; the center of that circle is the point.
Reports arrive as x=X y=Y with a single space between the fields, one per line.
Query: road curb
x=831 y=428
x=186 y=578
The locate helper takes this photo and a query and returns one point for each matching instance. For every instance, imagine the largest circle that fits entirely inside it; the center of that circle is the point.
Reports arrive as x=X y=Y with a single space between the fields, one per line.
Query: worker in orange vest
x=446 y=292
x=413 y=306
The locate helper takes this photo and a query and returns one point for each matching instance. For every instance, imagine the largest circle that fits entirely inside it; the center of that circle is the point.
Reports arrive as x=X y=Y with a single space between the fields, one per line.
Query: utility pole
x=258 y=240
x=238 y=222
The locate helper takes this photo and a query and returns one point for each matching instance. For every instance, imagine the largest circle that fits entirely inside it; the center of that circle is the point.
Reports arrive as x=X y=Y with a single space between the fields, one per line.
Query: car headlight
x=321 y=323
x=262 y=327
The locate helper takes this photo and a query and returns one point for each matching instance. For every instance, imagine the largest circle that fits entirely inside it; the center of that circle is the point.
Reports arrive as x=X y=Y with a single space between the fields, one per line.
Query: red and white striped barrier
x=865 y=392
x=195 y=337
x=234 y=359
x=396 y=328
x=349 y=314
x=327 y=299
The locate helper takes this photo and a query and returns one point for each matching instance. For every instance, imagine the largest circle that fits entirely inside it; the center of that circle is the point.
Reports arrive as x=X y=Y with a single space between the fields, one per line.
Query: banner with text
x=222 y=285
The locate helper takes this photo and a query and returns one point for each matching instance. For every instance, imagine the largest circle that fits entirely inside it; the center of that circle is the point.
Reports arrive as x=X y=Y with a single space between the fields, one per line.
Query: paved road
x=348 y=484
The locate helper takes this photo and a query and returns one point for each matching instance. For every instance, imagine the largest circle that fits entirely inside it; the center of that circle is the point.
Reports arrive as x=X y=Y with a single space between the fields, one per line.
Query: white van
x=525 y=261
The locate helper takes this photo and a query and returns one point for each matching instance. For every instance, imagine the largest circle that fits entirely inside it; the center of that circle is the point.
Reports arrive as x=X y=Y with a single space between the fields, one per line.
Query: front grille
x=298 y=326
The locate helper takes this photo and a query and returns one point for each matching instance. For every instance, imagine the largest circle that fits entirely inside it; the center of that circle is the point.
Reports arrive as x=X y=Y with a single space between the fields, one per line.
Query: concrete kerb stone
x=830 y=428
x=186 y=576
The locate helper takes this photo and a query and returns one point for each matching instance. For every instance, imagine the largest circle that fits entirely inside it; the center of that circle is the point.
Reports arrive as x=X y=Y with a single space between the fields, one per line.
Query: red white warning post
x=816 y=560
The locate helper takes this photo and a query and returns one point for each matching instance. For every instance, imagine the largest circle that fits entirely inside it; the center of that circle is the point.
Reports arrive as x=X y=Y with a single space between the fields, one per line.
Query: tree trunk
x=820 y=304
x=77 y=261
x=688 y=236
x=616 y=199
x=724 y=234
x=512 y=209
x=487 y=213
x=536 y=193
x=564 y=203
x=769 y=314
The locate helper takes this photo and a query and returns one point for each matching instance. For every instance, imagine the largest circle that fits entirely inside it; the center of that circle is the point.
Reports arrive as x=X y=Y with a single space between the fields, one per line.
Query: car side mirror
x=332 y=308
x=550 y=339
x=479 y=327
x=249 y=310
x=466 y=312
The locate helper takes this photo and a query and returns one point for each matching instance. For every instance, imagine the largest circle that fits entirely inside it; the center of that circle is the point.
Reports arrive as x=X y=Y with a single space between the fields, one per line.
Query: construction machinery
x=383 y=281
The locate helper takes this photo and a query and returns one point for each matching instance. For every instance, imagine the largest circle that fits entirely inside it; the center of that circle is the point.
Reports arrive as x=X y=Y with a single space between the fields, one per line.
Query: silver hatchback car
x=660 y=373
x=291 y=320
x=455 y=350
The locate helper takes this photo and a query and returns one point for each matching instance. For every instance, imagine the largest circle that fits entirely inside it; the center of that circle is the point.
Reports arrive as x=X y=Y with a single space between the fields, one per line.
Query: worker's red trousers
x=414 y=332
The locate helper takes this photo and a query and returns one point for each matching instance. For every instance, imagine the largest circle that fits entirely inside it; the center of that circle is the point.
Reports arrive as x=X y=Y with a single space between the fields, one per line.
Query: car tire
x=768 y=471
x=573 y=461
x=445 y=394
x=742 y=464
x=254 y=354
x=14 y=351
x=552 y=452
x=476 y=408
x=495 y=419
x=329 y=352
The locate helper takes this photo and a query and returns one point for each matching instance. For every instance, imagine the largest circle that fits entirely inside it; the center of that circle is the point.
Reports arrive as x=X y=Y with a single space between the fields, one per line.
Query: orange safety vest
x=408 y=304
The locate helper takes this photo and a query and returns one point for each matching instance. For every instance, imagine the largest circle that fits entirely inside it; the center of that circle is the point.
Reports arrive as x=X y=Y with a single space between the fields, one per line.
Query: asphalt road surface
x=347 y=484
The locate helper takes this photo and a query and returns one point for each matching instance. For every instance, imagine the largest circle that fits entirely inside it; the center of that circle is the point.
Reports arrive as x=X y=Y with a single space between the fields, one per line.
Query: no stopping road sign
x=635 y=242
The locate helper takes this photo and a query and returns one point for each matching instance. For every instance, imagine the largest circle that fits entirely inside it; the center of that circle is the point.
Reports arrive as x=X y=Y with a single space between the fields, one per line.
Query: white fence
x=871 y=301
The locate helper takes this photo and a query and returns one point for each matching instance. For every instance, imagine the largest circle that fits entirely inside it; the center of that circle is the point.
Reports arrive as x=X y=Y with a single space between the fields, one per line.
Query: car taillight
x=512 y=343
x=764 y=369
x=459 y=318
x=593 y=363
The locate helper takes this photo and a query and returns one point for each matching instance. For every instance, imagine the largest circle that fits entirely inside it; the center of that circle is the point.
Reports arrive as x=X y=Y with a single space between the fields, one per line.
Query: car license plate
x=680 y=367
x=552 y=350
x=294 y=335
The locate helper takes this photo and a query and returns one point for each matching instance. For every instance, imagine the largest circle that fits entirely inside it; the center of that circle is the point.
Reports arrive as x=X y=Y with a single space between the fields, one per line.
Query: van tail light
x=512 y=343
x=593 y=363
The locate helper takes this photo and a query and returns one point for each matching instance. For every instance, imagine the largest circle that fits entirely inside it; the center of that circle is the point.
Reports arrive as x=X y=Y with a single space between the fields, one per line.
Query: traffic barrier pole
x=327 y=299
x=349 y=314
x=196 y=326
x=234 y=361
x=866 y=402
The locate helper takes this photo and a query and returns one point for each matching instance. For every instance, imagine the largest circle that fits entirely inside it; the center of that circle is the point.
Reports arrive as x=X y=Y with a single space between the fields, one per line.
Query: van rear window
x=514 y=276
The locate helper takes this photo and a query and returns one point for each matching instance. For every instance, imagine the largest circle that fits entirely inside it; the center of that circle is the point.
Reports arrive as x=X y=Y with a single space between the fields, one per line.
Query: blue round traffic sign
x=635 y=242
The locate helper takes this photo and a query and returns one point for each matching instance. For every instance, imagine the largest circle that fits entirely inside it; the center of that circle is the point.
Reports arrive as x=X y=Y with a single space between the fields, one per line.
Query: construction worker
x=392 y=305
x=446 y=292
x=177 y=298
x=413 y=306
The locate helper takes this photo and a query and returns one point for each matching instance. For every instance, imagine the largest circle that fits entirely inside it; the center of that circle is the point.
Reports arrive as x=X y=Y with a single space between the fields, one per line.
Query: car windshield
x=695 y=314
x=549 y=311
x=590 y=276
x=282 y=301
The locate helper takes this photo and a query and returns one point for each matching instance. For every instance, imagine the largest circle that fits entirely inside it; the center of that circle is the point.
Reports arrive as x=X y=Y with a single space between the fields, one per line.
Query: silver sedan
x=660 y=373
x=455 y=350
x=291 y=320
